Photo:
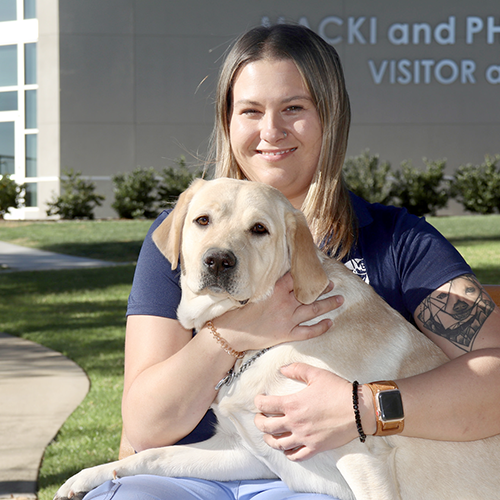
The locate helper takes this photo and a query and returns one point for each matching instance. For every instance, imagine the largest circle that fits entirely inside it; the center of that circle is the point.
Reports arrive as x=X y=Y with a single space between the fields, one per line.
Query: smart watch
x=388 y=407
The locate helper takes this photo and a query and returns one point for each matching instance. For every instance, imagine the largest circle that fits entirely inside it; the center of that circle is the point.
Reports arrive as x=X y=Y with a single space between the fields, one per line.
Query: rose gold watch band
x=390 y=427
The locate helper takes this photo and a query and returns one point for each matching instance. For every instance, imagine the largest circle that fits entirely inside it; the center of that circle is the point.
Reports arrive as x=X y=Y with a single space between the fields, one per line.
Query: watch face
x=391 y=406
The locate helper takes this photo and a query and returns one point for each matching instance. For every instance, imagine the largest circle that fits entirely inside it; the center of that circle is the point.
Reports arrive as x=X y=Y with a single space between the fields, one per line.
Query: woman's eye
x=259 y=229
x=203 y=220
x=294 y=108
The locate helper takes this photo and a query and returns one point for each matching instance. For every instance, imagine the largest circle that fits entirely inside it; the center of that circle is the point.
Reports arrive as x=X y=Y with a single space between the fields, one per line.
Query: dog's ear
x=309 y=277
x=167 y=236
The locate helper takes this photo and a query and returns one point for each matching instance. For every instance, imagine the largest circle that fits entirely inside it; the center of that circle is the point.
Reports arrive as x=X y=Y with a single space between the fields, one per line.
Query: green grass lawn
x=81 y=313
x=477 y=238
x=114 y=240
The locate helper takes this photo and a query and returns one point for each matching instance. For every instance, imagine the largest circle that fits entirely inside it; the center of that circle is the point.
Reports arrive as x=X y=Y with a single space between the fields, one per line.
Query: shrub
x=77 y=199
x=173 y=181
x=10 y=194
x=369 y=179
x=421 y=192
x=477 y=187
x=135 y=194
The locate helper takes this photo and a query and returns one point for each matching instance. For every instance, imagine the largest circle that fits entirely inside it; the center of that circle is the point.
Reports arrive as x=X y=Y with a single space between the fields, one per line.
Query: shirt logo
x=358 y=267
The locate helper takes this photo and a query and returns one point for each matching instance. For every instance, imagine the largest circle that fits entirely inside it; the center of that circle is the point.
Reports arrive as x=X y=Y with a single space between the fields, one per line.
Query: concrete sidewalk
x=17 y=258
x=39 y=388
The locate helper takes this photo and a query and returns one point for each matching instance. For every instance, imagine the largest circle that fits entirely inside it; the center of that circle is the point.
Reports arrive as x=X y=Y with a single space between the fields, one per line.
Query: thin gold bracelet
x=223 y=343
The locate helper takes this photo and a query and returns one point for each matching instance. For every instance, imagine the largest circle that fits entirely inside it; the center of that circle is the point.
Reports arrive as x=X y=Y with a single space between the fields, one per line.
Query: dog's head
x=235 y=239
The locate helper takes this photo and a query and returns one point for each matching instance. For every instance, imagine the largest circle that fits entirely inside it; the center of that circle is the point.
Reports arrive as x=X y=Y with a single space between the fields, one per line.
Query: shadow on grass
x=488 y=275
x=460 y=240
x=80 y=313
x=113 y=251
x=64 y=281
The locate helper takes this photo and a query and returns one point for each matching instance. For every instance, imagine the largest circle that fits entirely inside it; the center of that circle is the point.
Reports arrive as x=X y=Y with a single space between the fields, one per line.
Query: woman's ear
x=309 y=277
x=167 y=236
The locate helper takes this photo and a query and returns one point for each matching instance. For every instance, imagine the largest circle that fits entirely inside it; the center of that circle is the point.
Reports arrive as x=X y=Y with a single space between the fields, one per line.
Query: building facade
x=18 y=97
x=106 y=86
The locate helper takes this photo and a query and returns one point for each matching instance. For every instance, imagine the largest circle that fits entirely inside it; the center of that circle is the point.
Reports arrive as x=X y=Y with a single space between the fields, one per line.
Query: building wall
x=135 y=78
x=49 y=157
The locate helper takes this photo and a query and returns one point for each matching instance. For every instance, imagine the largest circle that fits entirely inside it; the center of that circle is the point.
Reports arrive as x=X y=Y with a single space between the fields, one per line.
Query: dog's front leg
x=369 y=469
x=211 y=459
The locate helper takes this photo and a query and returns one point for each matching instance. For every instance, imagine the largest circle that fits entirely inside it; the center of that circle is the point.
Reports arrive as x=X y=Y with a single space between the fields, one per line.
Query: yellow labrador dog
x=257 y=236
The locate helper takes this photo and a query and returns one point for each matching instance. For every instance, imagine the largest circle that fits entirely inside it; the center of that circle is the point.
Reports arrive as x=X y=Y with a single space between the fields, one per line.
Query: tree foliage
x=77 y=200
x=421 y=192
x=368 y=178
x=477 y=187
x=10 y=194
x=135 y=194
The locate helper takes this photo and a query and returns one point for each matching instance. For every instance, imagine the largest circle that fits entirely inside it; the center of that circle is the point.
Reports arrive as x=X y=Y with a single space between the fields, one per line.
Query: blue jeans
x=168 y=488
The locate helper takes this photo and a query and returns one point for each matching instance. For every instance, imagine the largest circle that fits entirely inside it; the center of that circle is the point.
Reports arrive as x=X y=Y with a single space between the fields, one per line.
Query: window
x=30 y=194
x=18 y=97
x=30 y=63
x=8 y=10
x=30 y=104
x=7 y=148
x=31 y=155
x=8 y=101
x=8 y=65
x=29 y=9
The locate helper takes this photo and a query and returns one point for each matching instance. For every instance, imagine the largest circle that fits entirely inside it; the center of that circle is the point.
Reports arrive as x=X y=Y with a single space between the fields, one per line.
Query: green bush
x=369 y=179
x=136 y=194
x=173 y=181
x=77 y=199
x=421 y=192
x=477 y=187
x=10 y=194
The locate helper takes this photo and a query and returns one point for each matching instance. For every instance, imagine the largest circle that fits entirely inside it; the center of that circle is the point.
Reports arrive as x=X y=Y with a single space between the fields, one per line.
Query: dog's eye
x=203 y=220
x=259 y=229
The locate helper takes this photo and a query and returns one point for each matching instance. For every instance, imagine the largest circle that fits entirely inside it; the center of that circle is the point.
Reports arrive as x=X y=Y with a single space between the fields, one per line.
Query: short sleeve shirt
x=401 y=256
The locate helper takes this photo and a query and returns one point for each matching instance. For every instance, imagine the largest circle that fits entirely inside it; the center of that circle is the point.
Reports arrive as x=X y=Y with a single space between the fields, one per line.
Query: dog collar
x=232 y=375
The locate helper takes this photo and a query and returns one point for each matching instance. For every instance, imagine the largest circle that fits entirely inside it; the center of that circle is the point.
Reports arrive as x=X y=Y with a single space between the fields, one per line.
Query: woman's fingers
x=279 y=318
x=307 y=313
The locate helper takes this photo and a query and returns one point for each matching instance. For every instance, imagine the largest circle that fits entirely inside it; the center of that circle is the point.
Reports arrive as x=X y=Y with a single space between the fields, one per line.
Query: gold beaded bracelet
x=223 y=343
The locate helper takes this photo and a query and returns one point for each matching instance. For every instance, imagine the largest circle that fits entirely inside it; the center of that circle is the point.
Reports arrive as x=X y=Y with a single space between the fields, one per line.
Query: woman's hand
x=320 y=417
x=277 y=319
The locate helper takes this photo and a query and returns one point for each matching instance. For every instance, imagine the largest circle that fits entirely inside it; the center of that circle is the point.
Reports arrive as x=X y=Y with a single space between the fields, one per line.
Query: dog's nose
x=217 y=260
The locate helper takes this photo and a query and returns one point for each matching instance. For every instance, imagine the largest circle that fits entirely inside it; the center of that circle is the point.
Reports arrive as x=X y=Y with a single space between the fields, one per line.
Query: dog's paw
x=74 y=496
x=86 y=480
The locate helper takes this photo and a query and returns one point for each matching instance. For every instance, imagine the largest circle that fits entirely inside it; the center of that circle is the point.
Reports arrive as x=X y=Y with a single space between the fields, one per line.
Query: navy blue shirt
x=400 y=255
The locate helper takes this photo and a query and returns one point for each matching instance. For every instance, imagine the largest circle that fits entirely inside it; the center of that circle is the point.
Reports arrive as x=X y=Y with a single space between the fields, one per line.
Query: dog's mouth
x=221 y=285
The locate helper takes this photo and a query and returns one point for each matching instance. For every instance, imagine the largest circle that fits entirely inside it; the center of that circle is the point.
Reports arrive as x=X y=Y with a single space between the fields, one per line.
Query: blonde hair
x=327 y=206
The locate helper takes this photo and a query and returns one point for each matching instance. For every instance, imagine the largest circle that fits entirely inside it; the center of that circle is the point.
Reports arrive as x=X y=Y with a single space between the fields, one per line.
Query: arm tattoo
x=457 y=310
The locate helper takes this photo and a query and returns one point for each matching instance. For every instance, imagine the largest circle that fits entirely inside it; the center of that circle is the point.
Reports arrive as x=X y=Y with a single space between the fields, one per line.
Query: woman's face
x=275 y=130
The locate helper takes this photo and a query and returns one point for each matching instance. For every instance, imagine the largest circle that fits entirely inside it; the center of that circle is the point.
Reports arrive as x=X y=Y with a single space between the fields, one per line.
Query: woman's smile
x=277 y=153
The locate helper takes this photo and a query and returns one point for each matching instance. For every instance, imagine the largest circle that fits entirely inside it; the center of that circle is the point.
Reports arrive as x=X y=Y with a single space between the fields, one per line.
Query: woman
x=282 y=117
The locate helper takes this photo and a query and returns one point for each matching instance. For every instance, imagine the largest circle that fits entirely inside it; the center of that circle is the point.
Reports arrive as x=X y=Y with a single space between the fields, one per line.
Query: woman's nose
x=273 y=128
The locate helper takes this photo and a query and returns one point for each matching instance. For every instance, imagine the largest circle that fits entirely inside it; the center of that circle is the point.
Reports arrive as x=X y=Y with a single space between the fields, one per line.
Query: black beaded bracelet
x=357 y=416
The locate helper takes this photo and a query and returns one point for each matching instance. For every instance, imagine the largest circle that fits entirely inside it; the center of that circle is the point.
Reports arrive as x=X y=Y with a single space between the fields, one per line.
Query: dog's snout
x=218 y=261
